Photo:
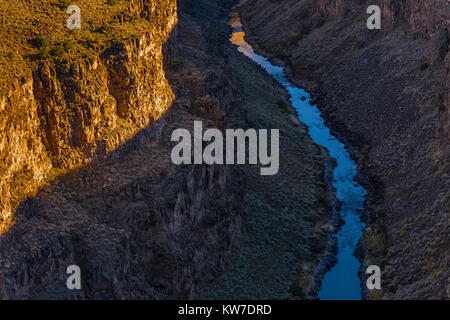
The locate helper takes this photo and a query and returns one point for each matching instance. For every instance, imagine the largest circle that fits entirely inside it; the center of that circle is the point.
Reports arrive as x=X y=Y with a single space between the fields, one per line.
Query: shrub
x=424 y=66
x=281 y=104
x=294 y=37
x=64 y=3
x=297 y=291
x=92 y=39
x=56 y=51
x=104 y=28
x=376 y=243
x=320 y=21
x=43 y=41
x=177 y=63
x=10 y=55
x=112 y=2
x=45 y=53
x=68 y=44
x=404 y=231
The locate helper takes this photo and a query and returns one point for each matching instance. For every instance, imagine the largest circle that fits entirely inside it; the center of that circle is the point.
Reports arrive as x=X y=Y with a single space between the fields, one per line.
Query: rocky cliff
x=103 y=193
x=386 y=93
x=423 y=16
x=68 y=97
x=83 y=121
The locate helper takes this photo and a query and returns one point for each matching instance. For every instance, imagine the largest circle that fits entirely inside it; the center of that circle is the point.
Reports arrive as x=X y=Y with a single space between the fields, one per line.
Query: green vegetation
x=45 y=53
x=404 y=231
x=58 y=50
x=68 y=44
x=43 y=41
x=112 y=2
x=104 y=28
x=375 y=240
x=64 y=3
x=56 y=173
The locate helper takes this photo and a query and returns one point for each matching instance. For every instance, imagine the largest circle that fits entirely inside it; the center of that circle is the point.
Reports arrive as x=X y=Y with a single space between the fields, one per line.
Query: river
x=342 y=281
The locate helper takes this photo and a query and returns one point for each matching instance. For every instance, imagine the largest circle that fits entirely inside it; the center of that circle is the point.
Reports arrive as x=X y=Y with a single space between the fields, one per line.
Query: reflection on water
x=342 y=282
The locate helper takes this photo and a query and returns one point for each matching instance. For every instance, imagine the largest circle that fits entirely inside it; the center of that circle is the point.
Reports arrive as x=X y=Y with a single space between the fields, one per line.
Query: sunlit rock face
x=65 y=112
x=137 y=225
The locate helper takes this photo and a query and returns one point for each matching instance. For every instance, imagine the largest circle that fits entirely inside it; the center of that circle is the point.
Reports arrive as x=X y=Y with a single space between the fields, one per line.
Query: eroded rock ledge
x=65 y=111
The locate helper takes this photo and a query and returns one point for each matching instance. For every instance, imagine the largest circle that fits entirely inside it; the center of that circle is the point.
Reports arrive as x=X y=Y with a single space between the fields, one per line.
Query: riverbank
x=384 y=94
x=283 y=216
x=341 y=282
x=140 y=227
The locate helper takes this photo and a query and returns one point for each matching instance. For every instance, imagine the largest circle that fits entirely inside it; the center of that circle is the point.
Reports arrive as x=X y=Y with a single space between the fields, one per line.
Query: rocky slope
x=63 y=110
x=387 y=93
x=102 y=192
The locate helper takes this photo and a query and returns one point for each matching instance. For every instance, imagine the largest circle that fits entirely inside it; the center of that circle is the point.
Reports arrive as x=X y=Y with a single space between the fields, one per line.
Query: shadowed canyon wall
x=137 y=225
x=113 y=203
x=386 y=92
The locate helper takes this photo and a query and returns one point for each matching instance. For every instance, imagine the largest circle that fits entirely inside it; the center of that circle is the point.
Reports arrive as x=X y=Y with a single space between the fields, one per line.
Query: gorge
x=87 y=179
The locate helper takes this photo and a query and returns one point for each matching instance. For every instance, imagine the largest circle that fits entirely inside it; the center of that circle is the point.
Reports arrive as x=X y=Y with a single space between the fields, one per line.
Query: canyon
x=235 y=139
x=87 y=179
x=385 y=93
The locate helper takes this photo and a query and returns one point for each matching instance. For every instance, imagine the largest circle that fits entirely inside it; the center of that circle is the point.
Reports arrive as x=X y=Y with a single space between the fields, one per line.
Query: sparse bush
x=281 y=104
x=112 y=2
x=376 y=243
x=58 y=50
x=294 y=37
x=404 y=231
x=43 y=41
x=45 y=53
x=297 y=291
x=320 y=21
x=424 y=66
x=64 y=3
x=10 y=55
x=177 y=63
x=104 y=28
x=68 y=44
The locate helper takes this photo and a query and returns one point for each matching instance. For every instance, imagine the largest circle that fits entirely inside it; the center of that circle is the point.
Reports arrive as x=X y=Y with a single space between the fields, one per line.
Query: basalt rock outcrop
x=97 y=130
x=62 y=111
x=88 y=176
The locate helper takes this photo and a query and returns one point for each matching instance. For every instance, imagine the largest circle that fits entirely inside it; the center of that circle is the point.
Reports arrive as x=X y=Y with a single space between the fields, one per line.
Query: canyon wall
x=422 y=16
x=385 y=93
x=97 y=130
x=65 y=111
x=138 y=226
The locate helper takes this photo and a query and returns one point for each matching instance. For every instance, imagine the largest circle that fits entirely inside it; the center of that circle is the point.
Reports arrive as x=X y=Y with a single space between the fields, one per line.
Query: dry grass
x=24 y=21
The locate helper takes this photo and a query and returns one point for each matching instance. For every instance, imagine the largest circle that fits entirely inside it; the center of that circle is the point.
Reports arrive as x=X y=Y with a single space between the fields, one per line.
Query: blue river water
x=342 y=281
